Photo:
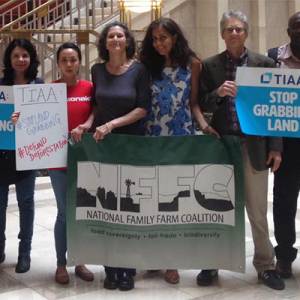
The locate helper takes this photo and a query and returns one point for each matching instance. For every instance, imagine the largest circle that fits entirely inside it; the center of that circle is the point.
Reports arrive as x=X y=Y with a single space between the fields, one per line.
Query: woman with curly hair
x=121 y=100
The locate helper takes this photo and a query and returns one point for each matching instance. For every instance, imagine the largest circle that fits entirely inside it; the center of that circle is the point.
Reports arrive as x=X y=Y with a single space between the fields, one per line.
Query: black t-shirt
x=117 y=95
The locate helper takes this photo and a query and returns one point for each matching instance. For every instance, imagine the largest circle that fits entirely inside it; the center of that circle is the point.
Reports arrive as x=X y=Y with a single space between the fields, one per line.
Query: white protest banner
x=268 y=101
x=42 y=129
x=7 y=131
x=180 y=207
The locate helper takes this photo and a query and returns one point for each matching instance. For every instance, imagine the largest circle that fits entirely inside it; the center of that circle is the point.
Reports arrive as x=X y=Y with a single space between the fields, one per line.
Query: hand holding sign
x=15 y=117
x=228 y=88
x=77 y=133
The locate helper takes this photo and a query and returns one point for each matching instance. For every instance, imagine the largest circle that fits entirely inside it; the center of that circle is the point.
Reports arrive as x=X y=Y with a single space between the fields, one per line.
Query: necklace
x=118 y=69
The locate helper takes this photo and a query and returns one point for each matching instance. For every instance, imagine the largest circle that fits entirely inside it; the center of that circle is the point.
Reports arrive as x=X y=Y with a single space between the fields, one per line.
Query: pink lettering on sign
x=39 y=150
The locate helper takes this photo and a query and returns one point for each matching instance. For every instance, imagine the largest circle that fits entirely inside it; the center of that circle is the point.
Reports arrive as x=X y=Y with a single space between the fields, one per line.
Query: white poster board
x=42 y=128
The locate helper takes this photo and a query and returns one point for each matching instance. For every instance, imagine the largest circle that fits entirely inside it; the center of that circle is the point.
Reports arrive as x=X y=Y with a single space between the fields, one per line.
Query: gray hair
x=236 y=14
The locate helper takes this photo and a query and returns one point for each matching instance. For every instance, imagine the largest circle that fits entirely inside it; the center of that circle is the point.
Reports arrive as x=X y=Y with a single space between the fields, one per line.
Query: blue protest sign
x=268 y=101
x=7 y=130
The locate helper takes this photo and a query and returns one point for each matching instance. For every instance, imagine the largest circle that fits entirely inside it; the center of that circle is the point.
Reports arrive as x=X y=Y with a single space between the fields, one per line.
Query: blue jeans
x=25 y=198
x=59 y=184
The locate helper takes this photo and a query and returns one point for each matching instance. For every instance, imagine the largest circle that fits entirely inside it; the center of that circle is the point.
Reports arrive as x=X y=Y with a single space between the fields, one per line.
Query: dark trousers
x=286 y=190
x=119 y=271
x=25 y=194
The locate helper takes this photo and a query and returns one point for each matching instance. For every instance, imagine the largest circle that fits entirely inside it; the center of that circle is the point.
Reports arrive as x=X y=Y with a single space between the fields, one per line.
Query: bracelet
x=108 y=127
x=205 y=128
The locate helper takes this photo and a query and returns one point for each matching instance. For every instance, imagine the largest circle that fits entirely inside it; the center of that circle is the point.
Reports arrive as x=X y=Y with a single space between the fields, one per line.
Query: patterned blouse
x=170 y=112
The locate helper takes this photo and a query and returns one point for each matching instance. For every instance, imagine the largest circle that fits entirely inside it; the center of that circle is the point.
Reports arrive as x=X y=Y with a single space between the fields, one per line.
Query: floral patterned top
x=170 y=112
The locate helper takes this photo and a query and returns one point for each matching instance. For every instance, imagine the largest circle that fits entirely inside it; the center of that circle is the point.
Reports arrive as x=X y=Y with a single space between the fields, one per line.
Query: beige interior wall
x=268 y=19
x=277 y=12
x=185 y=15
x=198 y=21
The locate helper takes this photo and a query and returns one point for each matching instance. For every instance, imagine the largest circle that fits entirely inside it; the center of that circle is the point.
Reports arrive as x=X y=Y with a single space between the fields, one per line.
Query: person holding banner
x=80 y=118
x=121 y=100
x=287 y=177
x=217 y=95
x=20 y=67
x=175 y=70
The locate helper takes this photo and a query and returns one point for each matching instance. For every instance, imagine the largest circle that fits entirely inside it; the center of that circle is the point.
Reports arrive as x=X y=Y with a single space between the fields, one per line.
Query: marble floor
x=38 y=283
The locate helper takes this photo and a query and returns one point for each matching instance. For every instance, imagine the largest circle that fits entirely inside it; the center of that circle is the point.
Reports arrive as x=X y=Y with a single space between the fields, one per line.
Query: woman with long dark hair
x=175 y=71
x=20 y=67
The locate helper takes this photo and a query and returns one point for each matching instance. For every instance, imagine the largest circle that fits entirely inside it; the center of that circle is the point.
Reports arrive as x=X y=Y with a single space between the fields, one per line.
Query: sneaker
x=206 y=277
x=284 y=268
x=84 y=273
x=271 y=279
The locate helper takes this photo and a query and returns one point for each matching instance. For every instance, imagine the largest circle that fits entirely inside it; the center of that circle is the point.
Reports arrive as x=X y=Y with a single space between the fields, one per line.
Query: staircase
x=50 y=23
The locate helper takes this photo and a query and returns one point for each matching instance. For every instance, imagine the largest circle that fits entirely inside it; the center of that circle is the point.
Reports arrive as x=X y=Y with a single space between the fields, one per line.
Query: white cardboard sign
x=42 y=128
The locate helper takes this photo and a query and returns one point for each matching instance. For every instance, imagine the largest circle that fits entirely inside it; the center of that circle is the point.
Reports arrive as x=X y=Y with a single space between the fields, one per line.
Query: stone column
x=208 y=38
x=258 y=26
x=223 y=6
x=294 y=6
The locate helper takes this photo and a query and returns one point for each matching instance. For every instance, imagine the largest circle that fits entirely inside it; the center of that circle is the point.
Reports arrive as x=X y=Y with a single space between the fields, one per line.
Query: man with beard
x=287 y=177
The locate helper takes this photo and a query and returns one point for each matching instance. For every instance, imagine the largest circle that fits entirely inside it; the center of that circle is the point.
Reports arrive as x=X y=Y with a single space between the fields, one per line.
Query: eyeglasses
x=236 y=29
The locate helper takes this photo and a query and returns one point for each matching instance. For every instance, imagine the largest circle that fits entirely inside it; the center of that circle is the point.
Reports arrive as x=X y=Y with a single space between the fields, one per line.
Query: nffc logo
x=266 y=78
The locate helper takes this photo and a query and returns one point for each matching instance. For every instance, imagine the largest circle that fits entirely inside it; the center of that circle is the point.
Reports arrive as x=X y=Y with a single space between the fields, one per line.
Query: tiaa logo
x=266 y=77
x=280 y=79
x=2 y=96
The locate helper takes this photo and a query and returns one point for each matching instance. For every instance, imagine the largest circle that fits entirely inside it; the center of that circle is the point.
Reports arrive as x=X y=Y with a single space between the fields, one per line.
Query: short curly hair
x=130 y=41
x=8 y=71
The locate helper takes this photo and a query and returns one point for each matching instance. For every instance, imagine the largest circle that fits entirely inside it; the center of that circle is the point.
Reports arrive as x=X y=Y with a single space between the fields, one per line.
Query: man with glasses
x=287 y=177
x=217 y=95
